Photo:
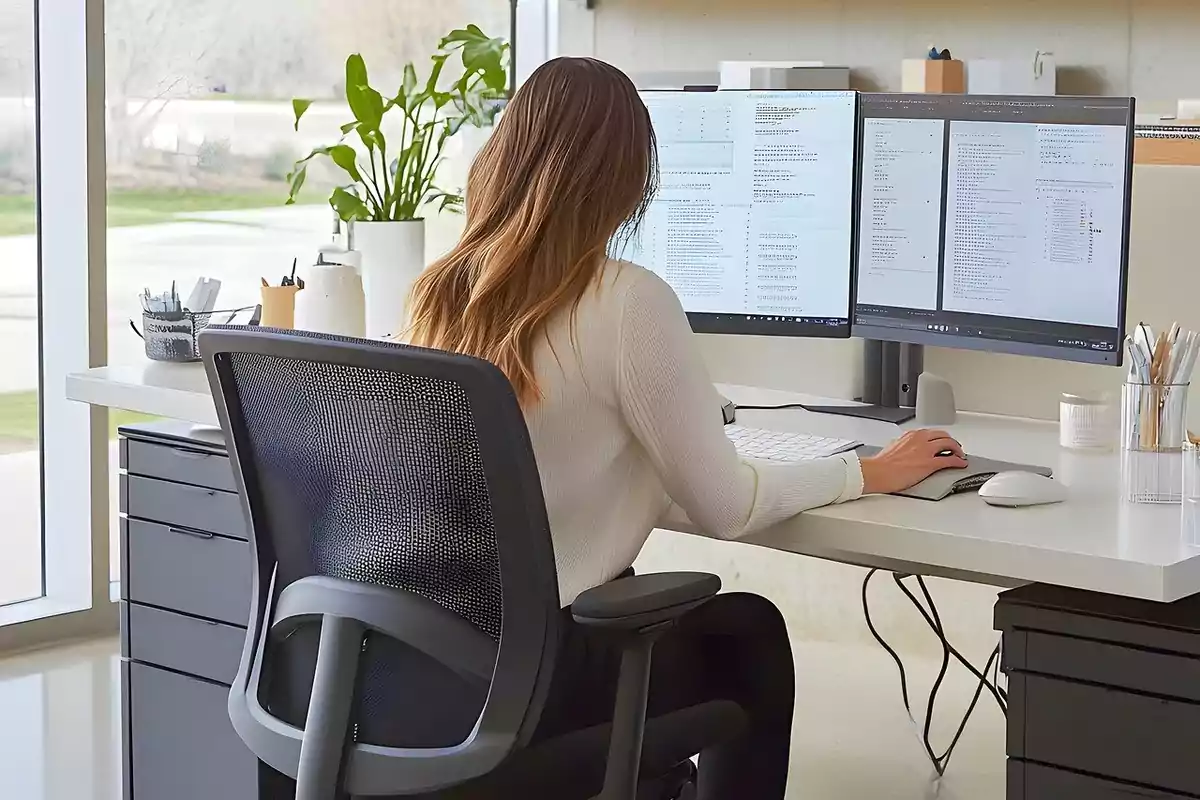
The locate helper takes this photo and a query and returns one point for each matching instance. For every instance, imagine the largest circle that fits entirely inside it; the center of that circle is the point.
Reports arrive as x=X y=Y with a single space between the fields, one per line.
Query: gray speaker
x=935 y=402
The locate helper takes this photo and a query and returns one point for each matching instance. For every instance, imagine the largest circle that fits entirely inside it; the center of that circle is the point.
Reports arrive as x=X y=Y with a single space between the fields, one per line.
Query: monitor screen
x=753 y=224
x=995 y=223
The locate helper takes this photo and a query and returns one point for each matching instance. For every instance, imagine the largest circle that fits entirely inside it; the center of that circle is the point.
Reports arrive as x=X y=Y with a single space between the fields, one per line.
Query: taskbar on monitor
x=771 y=325
x=1065 y=341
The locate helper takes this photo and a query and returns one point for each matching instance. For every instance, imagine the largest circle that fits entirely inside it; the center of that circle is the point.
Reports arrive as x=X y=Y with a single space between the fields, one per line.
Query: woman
x=624 y=420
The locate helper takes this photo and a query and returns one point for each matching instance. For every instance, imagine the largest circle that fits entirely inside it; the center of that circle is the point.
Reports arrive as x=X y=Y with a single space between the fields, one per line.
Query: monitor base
x=897 y=416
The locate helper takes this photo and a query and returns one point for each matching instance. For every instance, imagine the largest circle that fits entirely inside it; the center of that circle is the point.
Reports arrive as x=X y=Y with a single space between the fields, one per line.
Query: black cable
x=999 y=695
x=937 y=684
x=895 y=657
x=945 y=760
x=784 y=407
x=871 y=627
x=934 y=620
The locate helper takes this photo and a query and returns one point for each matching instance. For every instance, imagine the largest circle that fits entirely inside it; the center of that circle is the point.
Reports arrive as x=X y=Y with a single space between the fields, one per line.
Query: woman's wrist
x=874 y=475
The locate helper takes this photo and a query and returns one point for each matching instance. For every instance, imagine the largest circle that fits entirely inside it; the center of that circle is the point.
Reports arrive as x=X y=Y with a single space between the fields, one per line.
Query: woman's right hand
x=909 y=460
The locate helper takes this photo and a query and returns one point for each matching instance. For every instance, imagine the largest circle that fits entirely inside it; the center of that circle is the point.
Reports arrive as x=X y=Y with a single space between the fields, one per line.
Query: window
x=21 y=575
x=51 y=208
x=201 y=139
x=197 y=149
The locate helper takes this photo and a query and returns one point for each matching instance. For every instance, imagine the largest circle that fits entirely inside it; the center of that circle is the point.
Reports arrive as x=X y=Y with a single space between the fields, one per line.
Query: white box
x=738 y=74
x=801 y=78
x=1037 y=75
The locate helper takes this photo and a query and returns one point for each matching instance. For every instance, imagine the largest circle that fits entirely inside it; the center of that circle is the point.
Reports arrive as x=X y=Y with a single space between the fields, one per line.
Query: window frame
x=72 y=330
x=69 y=78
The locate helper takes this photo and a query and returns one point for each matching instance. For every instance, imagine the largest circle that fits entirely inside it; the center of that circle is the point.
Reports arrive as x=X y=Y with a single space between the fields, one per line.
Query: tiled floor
x=60 y=725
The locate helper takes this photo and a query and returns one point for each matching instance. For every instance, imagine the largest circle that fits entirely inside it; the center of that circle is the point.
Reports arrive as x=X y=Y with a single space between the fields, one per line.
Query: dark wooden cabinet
x=1104 y=695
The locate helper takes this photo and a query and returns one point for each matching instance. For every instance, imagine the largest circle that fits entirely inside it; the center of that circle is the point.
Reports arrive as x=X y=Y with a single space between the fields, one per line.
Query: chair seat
x=571 y=767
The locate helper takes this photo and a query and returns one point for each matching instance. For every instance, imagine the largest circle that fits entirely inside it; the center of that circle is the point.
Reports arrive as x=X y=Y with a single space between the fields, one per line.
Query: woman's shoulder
x=623 y=280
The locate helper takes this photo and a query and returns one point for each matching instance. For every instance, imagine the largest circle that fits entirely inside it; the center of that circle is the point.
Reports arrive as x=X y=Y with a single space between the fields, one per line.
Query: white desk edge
x=1094 y=541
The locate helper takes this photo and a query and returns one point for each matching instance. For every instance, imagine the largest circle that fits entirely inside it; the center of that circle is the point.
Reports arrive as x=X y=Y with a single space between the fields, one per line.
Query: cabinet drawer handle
x=196 y=534
x=199 y=489
x=193 y=455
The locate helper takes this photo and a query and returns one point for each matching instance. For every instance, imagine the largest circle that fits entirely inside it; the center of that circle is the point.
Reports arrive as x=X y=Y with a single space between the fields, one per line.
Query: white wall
x=1143 y=47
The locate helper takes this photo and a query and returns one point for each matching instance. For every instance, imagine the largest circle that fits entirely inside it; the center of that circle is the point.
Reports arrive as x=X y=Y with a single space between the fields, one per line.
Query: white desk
x=1094 y=541
x=1106 y=658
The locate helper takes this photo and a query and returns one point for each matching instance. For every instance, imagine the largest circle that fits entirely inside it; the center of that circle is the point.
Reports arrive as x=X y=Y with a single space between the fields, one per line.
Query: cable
x=945 y=760
x=935 y=625
x=895 y=657
x=784 y=407
x=934 y=620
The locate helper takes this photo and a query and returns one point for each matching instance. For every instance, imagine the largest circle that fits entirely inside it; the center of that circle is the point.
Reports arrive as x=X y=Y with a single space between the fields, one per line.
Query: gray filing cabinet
x=185 y=602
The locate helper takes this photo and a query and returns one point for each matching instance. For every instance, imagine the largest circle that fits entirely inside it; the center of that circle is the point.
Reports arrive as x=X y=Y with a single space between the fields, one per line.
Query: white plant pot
x=393 y=255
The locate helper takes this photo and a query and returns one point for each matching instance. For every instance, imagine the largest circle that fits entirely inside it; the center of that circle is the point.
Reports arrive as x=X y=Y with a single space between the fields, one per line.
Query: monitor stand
x=890 y=374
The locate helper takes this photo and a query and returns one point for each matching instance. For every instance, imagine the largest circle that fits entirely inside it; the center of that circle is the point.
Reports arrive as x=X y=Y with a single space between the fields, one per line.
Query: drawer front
x=1035 y=782
x=177 y=464
x=199 y=574
x=1108 y=733
x=183 y=746
x=198 y=647
x=1171 y=675
x=186 y=506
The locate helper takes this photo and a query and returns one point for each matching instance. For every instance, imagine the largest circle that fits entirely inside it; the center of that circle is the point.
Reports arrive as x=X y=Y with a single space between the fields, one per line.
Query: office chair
x=406 y=619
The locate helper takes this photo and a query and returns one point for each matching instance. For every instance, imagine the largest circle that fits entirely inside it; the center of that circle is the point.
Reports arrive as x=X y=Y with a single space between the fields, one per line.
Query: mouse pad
x=956 y=481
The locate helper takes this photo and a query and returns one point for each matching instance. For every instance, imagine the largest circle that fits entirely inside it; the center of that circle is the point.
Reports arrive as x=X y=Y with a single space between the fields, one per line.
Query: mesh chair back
x=402 y=480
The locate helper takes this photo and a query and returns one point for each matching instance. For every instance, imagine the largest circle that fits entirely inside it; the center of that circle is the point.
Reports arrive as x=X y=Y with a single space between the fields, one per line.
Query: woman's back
x=601 y=491
x=628 y=421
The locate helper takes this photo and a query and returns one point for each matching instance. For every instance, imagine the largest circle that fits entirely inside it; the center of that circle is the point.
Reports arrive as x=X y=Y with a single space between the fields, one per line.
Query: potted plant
x=393 y=176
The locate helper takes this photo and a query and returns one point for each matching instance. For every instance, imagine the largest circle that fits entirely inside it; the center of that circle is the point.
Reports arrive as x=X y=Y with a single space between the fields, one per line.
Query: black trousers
x=734 y=648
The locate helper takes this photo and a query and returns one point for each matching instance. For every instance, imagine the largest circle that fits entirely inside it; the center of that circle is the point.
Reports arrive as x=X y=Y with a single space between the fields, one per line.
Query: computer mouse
x=1021 y=489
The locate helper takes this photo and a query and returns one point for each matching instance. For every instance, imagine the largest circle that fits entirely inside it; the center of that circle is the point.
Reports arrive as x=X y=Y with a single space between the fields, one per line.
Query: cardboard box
x=936 y=77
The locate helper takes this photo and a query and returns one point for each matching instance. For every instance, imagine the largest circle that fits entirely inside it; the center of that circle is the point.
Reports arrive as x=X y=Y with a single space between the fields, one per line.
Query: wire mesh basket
x=174 y=337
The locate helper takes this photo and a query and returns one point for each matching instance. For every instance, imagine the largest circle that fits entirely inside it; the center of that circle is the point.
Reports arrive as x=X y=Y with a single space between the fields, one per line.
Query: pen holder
x=279 y=307
x=1191 y=494
x=173 y=337
x=1153 y=432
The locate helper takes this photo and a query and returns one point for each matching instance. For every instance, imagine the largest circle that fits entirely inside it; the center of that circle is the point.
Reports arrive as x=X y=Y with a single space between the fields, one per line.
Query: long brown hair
x=571 y=166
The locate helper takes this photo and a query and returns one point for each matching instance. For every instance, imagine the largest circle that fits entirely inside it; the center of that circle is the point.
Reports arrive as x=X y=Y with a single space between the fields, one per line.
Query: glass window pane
x=201 y=136
x=21 y=533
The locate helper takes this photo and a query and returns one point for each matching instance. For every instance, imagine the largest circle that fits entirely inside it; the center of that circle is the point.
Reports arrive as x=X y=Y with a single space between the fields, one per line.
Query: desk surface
x=1093 y=541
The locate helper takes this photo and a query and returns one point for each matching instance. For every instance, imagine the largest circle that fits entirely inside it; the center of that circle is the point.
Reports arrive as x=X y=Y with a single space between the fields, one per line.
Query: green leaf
x=373 y=140
x=455 y=124
x=368 y=107
x=356 y=73
x=350 y=126
x=296 y=181
x=481 y=55
x=345 y=157
x=348 y=206
x=411 y=98
x=298 y=108
x=366 y=103
x=449 y=201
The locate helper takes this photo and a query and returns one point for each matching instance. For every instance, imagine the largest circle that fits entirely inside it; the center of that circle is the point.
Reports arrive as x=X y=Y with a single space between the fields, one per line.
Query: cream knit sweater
x=630 y=421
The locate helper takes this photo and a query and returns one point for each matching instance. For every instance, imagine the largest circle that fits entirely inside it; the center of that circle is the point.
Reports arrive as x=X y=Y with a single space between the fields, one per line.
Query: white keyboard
x=780 y=446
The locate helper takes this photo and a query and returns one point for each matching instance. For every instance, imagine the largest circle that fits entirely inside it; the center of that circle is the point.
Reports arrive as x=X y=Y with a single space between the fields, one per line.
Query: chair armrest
x=630 y=604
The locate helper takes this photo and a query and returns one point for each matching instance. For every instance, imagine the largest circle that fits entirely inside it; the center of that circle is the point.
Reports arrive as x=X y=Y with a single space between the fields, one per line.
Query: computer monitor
x=995 y=223
x=753 y=224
